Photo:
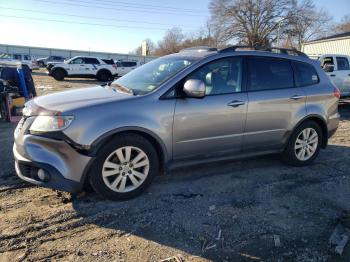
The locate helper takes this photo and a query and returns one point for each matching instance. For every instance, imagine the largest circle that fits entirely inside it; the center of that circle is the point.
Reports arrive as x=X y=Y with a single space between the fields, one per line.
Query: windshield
x=148 y=77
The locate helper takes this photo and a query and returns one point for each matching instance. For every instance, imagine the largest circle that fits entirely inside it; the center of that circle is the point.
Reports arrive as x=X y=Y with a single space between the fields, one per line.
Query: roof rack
x=199 y=49
x=285 y=51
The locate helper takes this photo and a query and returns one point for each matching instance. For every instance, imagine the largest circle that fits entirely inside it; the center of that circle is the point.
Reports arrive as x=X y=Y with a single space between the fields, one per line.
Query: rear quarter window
x=305 y=74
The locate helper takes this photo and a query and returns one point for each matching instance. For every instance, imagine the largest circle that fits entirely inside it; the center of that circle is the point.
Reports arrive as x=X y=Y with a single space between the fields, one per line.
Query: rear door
x=91 y=65
x=213 y=125
x=274 y=103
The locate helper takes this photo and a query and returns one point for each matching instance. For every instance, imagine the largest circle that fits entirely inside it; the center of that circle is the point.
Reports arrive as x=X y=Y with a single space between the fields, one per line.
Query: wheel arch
x=59 y=68
x=103 y=69
x=147 y=134
x=320 y=121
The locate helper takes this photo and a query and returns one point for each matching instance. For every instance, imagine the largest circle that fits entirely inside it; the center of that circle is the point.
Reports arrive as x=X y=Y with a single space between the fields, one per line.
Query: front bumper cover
x=63 y=166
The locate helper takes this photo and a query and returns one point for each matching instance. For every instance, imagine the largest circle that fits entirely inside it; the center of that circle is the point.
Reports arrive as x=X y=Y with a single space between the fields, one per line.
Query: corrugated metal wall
x=331 y=46
x=38 y=52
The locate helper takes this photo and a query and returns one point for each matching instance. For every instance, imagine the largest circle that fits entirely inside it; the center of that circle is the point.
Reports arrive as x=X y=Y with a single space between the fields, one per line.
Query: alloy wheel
x=306 y=144
x=125 y=169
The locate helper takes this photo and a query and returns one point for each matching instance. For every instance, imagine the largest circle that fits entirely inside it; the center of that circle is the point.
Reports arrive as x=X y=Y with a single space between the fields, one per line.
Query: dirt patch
x=251 y=210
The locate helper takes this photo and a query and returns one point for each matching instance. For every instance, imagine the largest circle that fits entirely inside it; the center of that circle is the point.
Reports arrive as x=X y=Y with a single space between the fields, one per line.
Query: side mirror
x=194 y=88
x=328 y=68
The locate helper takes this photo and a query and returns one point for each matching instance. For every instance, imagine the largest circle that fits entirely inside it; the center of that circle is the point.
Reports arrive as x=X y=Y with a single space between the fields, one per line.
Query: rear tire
x=124 y=167
x=304 y=145
x=104 y=75
x=58 y=74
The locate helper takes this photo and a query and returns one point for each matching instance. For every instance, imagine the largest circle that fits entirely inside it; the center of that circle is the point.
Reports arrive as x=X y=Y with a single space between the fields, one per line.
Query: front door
x=342 y=75
x=213 y=125
x=77 y=66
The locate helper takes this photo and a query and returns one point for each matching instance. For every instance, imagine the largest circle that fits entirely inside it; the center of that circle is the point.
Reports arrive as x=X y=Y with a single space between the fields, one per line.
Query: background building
x=336 y=44
x=38 y=52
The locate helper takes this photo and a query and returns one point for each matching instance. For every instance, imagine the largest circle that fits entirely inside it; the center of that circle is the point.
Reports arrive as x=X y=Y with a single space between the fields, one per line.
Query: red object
x=336 y=92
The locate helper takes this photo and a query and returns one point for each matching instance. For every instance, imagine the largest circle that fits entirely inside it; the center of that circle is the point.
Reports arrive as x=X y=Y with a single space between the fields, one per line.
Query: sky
x=109 y=25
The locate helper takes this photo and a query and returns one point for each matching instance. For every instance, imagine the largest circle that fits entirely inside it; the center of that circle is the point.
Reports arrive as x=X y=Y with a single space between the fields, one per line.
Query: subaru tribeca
x=198 y=105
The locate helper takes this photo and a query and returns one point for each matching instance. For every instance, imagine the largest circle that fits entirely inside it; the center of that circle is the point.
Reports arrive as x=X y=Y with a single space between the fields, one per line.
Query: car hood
x=73 y=99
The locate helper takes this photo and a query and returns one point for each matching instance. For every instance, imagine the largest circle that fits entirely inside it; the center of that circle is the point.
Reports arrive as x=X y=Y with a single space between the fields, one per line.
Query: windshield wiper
x=122 y=88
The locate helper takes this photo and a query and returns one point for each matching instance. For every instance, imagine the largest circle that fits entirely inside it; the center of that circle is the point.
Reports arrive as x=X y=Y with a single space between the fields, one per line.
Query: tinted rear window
x=305 y=74
x=108 y=61
x=89 y=60
x=343 y=63
x=127 y=64
x=269 y=73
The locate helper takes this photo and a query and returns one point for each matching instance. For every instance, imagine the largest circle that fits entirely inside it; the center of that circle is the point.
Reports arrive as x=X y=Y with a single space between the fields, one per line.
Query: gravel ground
x=251 y=210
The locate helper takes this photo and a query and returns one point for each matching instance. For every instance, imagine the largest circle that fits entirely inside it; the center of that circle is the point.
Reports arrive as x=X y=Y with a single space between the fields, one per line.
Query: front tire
x=124 y=168
x=304 y=145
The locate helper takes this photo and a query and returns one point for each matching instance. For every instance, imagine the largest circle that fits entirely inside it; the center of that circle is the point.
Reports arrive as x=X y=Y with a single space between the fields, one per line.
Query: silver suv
x=195 y=106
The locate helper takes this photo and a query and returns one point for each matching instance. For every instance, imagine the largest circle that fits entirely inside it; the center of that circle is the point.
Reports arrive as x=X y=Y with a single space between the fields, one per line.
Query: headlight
x=50 y=123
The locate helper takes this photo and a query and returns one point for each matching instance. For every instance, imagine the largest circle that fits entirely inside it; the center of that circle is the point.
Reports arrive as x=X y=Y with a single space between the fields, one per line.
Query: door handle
x=332 y=75
x=82 y=65
x=297 y=97
x=236 y=103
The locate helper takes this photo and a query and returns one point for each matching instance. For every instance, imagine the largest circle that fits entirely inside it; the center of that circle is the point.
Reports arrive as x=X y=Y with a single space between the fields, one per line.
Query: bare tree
x=305 y=23
x=344 y=25
x=251 y=22
x=171 y=43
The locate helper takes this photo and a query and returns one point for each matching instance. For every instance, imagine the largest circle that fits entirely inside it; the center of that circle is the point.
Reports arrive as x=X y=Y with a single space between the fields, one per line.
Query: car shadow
x=224 y=210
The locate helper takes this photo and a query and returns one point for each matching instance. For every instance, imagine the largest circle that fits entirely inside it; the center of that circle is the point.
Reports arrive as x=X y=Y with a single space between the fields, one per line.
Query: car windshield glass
x=148 y=77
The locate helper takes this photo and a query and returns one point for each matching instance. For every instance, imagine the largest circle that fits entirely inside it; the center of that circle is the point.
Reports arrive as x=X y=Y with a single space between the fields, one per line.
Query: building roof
x=346 y=34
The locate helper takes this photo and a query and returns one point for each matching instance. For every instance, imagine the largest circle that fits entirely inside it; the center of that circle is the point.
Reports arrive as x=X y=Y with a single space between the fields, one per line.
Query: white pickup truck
x=84 y=67
x=337 y=67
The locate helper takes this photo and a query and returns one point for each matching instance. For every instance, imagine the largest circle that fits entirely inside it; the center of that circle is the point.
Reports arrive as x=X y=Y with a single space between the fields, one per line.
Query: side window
x=269 y=73
x=222 y=76
x=17 y=57
x=78 y=60
x=343 y=63
x=26 y=57
x=328 y=60
x=89 y=60
x=305 y=74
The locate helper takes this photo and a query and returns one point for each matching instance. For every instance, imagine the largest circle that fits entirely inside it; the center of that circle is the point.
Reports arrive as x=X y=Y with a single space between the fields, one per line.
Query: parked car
x=182 y=109
x=124 y=67
x=337 y=67
x=24 y=59
x=84 y=67
x=42 y=62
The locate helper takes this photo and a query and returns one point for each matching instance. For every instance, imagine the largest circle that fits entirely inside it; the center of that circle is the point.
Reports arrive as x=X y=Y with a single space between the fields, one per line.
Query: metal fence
x=38 y=52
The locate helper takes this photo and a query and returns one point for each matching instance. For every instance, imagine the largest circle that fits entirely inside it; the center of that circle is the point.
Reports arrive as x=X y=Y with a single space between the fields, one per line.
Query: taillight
x=336 y=92
x=115 y=66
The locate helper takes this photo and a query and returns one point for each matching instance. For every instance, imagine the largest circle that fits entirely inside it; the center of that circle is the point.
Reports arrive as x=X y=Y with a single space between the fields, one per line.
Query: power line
x=83 y=23
x=89 y=17
x=117 y=9
x=137 y=5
